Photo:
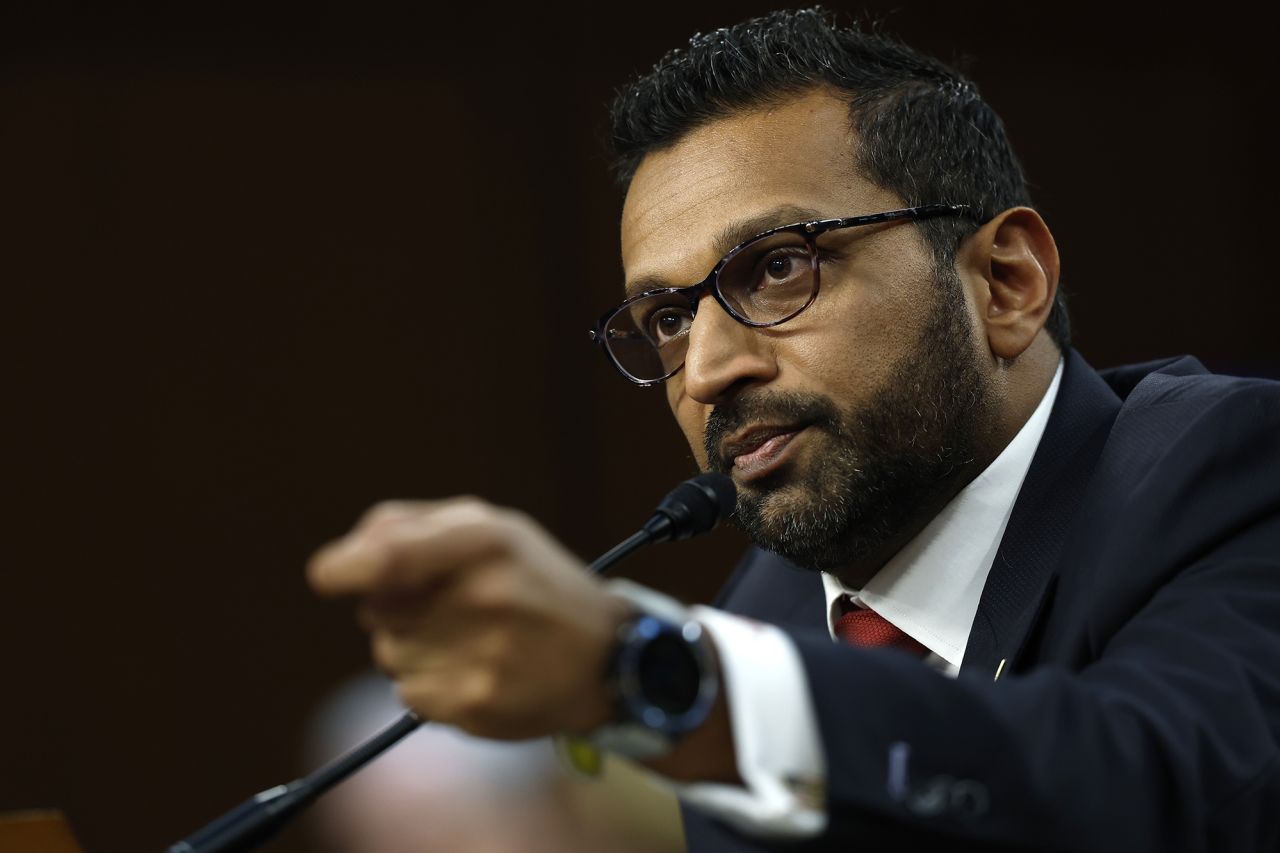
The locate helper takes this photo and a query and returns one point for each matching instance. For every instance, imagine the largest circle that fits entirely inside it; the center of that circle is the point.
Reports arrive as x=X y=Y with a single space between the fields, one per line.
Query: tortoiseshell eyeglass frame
x=711 y=284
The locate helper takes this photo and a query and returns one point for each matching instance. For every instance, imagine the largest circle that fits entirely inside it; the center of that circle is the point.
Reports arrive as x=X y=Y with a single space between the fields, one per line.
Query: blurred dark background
x=266 y=265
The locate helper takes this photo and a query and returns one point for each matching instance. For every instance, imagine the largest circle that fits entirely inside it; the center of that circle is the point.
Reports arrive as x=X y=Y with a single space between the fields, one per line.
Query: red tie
x=870 y=630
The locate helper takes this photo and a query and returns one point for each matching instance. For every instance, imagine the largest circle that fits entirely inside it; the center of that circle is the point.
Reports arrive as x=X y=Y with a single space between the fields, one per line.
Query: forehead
x=797 y=154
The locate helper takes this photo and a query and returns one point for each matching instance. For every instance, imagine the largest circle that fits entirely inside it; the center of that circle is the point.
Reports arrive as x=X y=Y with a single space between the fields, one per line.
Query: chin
x=783 y=507
x=790 y=519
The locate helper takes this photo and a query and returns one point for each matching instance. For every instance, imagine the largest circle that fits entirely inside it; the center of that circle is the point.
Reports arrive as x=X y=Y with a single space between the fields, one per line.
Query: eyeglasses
x=762 y=282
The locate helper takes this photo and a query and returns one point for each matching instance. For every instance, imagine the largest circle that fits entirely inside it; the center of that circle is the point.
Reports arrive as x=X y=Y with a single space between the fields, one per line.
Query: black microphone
x=691 y=508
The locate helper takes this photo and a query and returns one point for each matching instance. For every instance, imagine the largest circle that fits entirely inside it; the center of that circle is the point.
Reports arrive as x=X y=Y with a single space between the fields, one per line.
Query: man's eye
x=667 y=323
x=781 y=267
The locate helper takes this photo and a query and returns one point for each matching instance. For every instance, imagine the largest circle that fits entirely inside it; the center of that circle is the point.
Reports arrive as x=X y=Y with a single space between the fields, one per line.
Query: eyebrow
x=732 y=235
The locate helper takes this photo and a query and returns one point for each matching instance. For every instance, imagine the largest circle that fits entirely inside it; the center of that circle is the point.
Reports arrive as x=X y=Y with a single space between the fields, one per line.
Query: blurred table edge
x=37 y=831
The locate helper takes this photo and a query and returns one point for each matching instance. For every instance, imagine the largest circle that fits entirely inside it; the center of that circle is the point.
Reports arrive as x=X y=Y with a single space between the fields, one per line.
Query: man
x=881 y=361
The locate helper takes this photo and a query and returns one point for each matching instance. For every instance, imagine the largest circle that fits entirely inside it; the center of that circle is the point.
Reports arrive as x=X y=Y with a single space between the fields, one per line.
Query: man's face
x=847 y=427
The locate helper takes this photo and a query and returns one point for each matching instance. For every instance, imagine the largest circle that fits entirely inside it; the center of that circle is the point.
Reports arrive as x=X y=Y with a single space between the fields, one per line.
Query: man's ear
x=1011 y=264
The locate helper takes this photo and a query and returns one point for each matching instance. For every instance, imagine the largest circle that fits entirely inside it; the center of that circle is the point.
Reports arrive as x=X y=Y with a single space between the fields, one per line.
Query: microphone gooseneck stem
x=633 y=542
x=261 y=816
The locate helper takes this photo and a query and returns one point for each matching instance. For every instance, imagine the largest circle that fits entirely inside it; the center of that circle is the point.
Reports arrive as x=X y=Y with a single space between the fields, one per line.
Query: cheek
x=691 y=417
x=857 y=342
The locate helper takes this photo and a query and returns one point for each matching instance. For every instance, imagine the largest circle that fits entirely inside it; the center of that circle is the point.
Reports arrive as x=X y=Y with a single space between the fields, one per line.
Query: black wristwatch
x=663 y=676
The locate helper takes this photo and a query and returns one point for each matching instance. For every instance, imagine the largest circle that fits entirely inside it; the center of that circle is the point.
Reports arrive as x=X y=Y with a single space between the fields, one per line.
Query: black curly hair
x=924 y=131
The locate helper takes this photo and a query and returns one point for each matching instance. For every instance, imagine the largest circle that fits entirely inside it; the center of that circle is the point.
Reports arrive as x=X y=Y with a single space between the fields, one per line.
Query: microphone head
x=693 y=507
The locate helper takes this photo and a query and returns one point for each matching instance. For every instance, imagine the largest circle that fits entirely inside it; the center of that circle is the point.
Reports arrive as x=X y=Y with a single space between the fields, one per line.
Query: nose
x=724 y=356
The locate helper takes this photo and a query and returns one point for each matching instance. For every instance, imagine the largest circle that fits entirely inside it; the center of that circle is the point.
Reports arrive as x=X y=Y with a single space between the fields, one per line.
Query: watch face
x=666 y=683
x=669 y=675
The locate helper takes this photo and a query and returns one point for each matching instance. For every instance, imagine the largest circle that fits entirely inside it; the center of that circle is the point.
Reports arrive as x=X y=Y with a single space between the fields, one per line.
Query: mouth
x=759 y=451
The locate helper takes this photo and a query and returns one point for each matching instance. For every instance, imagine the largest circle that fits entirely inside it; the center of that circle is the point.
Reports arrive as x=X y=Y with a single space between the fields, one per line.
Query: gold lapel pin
x=999 y=669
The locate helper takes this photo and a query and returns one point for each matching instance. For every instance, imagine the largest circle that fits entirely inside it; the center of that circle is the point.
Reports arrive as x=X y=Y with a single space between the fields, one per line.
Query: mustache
x=764 y=407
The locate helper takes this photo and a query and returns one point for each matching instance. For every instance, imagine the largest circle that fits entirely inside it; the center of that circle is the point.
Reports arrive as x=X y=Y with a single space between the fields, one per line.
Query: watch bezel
x=634 y=705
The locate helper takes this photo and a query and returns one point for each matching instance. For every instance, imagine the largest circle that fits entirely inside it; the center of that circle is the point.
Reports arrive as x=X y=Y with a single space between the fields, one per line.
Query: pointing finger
x=410 y=552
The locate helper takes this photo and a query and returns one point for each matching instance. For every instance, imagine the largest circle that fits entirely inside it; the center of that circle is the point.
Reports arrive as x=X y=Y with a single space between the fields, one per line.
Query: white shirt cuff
x=775 y=734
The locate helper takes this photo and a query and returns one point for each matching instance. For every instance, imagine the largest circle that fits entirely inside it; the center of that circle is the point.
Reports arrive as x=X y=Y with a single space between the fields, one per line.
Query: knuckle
x=521 y=528
x=469 y=508
x=468 y=513
x=512 y=528
x=490 y=533
x=517 y=518
x=385 y=511
x=500 y=526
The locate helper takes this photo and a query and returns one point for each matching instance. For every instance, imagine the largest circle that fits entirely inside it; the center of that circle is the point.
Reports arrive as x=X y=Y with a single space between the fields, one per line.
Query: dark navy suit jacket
x=1135 y=603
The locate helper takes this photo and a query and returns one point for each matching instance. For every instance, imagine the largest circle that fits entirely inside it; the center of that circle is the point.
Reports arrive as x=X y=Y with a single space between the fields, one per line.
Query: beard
x=883 y=466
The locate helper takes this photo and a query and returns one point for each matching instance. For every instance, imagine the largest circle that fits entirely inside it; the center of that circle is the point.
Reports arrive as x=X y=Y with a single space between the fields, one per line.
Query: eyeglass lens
x=765 y=282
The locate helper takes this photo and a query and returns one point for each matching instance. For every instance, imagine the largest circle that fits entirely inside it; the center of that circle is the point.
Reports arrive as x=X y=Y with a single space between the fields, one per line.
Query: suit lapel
x=1019 y=589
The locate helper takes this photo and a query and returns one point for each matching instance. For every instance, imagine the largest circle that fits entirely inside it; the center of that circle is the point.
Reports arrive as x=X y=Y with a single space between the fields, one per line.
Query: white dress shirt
x=930 y=589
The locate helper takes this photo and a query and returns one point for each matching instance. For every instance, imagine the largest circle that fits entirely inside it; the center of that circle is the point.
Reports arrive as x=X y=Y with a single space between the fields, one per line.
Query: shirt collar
x=930 y=589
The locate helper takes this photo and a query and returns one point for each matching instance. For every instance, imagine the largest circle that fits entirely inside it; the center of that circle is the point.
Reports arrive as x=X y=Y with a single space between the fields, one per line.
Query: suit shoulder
x=1181 y=379
x=1189 y=458
x=1201 y=390
x=1170 y=415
